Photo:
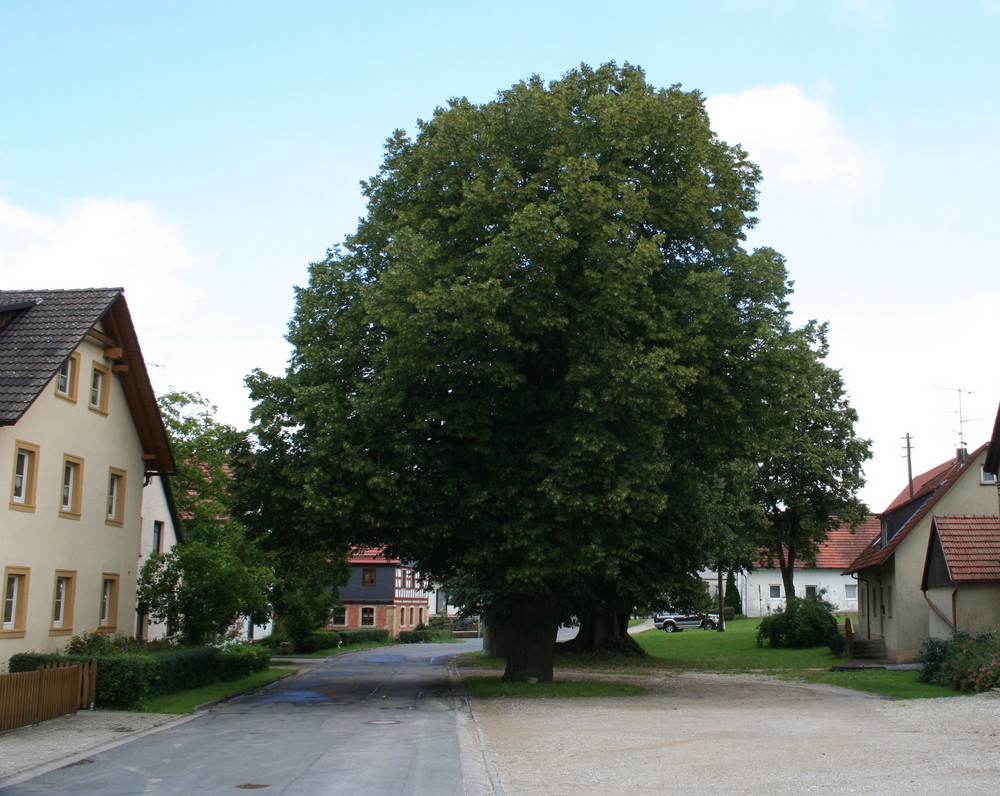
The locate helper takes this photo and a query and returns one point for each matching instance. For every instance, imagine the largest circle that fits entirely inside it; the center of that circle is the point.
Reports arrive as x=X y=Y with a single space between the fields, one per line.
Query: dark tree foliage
x=530 y=366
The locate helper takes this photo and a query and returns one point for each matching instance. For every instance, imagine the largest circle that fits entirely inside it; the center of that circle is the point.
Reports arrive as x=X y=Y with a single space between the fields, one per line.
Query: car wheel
x=669 y=627
x=708 y=624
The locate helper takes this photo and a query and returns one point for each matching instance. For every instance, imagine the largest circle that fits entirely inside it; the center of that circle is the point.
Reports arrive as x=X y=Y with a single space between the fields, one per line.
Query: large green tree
x=529 y=364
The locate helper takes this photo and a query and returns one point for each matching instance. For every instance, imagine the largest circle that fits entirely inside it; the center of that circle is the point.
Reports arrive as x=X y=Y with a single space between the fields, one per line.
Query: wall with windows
x=71 y=471
x=762 y=590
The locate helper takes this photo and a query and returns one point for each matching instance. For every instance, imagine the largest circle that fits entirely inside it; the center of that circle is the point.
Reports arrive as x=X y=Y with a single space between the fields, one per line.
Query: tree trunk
x=604 y=630
x=788 y=575
x=532 y=644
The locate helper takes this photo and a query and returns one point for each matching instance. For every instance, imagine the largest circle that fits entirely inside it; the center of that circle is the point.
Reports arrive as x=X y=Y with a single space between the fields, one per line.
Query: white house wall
x=755 y=589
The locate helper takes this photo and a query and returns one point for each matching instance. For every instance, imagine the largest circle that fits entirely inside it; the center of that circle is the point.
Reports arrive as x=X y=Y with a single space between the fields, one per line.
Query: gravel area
x=700 y=733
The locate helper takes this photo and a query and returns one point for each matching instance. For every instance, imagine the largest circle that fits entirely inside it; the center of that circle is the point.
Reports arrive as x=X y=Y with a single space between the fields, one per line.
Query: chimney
x=961 y=454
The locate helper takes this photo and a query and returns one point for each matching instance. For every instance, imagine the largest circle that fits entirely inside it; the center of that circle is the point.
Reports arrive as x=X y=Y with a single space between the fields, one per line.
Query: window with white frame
x=100 y=382
x=62 y=601
x=157 y=536
x=109 y=601
x=67 y=378
x=116 y=497
x=774 y=591
x=986 y=477
x=72 y=487
x=22 y=490
x=367 y=617
x=810 y=591
x=15 y=601
x=850 y=591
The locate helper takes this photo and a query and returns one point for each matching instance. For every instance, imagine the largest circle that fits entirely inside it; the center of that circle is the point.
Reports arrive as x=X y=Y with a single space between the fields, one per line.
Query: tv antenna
x=962 y=419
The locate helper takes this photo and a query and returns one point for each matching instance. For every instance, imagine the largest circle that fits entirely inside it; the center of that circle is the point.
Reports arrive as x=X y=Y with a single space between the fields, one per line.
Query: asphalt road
x=374 y=722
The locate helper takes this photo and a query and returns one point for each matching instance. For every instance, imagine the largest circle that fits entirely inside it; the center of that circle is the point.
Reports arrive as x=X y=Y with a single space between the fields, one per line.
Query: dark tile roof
x=971 y=546
x=39 y=329
x=43 y=327
x=935 y=484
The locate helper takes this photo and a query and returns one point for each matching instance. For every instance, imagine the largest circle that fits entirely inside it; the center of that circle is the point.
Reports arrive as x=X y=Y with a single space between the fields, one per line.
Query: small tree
x=201 y=587
x=732 y=599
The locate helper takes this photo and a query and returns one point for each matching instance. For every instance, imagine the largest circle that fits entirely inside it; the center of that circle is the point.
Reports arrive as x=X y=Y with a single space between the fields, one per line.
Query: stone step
x=868 y=648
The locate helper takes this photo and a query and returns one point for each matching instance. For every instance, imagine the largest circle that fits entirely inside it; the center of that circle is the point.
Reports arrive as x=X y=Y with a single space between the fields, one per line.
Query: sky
x=202 y=154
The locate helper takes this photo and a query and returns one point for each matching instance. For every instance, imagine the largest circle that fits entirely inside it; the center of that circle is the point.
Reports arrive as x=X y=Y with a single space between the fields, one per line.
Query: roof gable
x=970 y=545
x=909 y=514
x=39 y=329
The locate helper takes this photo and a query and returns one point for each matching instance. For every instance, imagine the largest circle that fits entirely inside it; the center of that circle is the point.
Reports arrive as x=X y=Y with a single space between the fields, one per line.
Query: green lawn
x=735 y=649
x=187 y=701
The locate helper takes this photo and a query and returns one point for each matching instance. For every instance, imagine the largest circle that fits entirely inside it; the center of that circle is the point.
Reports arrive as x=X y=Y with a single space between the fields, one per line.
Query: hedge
x=124 y=681
x=349 y=637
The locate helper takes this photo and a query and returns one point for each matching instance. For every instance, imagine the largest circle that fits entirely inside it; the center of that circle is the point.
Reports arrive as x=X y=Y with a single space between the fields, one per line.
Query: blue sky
x=201 y=154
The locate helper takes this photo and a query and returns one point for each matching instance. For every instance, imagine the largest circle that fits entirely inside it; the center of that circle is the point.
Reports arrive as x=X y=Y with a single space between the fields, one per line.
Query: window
x=66 y=379
x=851 y=591
x=116 y=497
x=339 y=617
x=62 y=603
x=368 y=576
x=986 y=477
x=157 y=537
x=774 y=591
x=367 y=617
x=15 y=601
x=72 y=487
x=100 y=381
x=109 y=601
x=22 y=490
x=810 y=591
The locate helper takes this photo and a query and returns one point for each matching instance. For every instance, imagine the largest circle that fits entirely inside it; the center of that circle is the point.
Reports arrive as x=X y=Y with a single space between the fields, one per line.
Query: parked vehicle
x=673 y=622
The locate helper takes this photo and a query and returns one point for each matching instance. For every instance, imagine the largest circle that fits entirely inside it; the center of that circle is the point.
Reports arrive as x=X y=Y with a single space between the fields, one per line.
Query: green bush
x=805 y=622
x=125 y=680
x=236 y=662
x=326 y=640
x=364 y=636
x=965 y=661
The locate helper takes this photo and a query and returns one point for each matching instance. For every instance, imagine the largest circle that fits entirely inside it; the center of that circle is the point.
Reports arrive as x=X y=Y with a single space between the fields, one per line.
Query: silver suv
x=672 y=622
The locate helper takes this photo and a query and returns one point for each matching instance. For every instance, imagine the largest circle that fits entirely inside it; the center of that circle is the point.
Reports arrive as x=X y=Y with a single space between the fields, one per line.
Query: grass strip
x=884 y=682
x=480 y=686
x=187 y=701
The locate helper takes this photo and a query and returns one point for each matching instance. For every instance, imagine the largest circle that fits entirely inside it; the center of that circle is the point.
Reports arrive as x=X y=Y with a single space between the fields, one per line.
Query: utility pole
x=909 y=461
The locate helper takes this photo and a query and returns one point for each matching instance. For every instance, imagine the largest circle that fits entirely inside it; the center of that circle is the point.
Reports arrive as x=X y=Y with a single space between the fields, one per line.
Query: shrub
x=965 y=661
x=326 y=640
x=805 y=622
x=365 y=636
x=236 y=662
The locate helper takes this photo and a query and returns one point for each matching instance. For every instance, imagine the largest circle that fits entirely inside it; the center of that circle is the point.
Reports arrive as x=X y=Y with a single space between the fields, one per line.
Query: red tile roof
x=842 y=546
x=971 y=545
x=370 y=555
x=922 y=485
x=934 y=484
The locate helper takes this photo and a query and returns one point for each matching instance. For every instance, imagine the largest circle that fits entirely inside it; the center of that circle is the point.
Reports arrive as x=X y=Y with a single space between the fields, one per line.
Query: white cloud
x=795 y=140
x=99 y=243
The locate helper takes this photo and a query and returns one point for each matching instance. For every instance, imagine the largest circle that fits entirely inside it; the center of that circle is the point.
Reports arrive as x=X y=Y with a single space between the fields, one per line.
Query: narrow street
x=373 y=722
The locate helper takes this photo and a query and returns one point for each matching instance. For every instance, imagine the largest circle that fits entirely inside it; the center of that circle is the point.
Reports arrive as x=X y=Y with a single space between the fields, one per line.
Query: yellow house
x=892 y=604
x=80 y=434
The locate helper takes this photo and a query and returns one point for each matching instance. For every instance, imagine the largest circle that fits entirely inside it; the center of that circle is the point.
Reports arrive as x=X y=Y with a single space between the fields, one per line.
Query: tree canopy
x=531 y=365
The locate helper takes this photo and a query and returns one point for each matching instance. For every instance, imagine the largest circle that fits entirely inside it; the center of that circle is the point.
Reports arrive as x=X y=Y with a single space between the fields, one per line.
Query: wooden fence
x=53 y=690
